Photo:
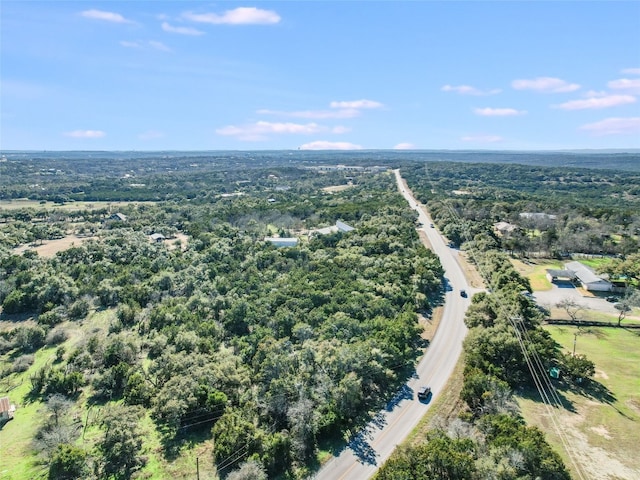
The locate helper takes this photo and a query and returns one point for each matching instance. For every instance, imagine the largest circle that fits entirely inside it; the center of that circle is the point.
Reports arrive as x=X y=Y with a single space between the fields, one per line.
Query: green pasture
x=17 y=434
x=536 y=272
x=595 y=263
x=605 y=412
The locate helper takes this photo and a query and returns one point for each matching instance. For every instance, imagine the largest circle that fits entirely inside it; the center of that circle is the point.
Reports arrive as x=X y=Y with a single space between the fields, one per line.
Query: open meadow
x=600 y=421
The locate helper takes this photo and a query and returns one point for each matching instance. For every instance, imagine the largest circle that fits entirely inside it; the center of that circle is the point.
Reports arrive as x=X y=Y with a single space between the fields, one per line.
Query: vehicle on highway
x=424 y=392
x=463 y=293
x=431 y=225
x=612 y=299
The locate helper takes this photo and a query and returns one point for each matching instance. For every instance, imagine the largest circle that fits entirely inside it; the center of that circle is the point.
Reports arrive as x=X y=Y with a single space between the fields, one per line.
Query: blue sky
x=261 y=75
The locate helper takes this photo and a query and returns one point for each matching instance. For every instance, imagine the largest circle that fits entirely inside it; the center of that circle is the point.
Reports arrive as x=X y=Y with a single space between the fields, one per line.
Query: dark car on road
x=463 y=293
x=424 y=392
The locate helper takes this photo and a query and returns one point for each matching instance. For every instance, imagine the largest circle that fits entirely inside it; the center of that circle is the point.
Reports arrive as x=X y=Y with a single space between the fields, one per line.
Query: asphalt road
x=367 y=451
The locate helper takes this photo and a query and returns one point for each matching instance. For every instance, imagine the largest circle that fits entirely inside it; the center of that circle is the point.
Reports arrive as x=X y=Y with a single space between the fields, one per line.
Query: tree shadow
x=16 y=318
x=362 y=449
x=555 y=396
x=173 y=442
x=595 y=390
x=405 y=393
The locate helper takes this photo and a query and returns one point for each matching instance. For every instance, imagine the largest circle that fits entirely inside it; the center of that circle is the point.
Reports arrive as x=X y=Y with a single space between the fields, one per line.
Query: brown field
x=36 y=205
x=49 y=248
x=336 y=188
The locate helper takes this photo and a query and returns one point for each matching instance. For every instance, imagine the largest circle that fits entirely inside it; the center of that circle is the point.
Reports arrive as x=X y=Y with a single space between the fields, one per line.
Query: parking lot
x=565 y=290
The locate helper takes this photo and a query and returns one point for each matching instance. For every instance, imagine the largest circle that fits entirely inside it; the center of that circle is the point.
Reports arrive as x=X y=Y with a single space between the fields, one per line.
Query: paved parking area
x=562 y=291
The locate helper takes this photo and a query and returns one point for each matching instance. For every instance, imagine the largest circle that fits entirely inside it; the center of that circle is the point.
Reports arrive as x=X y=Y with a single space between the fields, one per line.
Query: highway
x=367 y=451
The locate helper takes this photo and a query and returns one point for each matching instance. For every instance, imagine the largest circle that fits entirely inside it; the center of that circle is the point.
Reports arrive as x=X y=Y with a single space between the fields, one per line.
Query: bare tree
x=625 y=305
x=249 y=470
x=572 y=308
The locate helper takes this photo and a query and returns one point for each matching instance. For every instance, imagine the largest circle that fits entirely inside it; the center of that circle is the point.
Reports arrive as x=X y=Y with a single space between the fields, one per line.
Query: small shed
x=157 y=237
x=6 y=409
x=118 y=217
x=343 y=227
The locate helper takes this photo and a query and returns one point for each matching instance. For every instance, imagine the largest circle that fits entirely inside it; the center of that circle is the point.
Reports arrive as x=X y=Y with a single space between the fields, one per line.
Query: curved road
x=365 y=453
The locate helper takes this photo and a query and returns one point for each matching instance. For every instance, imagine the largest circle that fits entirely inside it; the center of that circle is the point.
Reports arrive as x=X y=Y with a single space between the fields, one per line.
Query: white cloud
x=339 y=129
x=498 y=112
x=181 y=30
x=468 y=90
x=325 y=145
x=628 y=85
x=128 y=44
x=404 y=146
x=85 y=134
x=631 y=71
x=260 y=130
x=596 y=100
x=356 y=104
x=237 y=16
x=150 y=135
x=106 y=16
x=348 y=109
x=482 y=138
x=545 y=85
x=614 y=126
x=159 y=46
x=314 y=114
x=143 y=45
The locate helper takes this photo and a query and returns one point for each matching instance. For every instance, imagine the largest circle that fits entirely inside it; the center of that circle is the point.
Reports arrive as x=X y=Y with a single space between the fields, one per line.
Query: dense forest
x=269 y=350
x=214 y=336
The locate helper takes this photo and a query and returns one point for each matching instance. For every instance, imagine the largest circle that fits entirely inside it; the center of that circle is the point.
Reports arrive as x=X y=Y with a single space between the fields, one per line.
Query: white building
x=589 y=280
x=282 y=241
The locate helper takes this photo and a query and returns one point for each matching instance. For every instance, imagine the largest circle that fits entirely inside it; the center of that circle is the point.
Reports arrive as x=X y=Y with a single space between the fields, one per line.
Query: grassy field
x=595 y=263
x=601 y=424
x=16 y=435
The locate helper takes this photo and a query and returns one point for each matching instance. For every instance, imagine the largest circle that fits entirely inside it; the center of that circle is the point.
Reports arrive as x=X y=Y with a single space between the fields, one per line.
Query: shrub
x=68 y=462
x=29 y=339
x=79 y=309
x=52 y=317
x=22 y=363
x=56 y=336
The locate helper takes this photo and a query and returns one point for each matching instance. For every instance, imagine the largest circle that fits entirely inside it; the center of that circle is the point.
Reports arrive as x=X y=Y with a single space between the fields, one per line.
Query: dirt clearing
x=49 y=248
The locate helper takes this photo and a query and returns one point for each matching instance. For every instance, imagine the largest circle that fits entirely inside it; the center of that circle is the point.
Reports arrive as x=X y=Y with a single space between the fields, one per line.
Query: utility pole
x=198 y=467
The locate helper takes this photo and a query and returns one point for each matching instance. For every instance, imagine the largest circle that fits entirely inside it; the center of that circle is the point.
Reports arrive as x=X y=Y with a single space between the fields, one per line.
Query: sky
x=262 y=75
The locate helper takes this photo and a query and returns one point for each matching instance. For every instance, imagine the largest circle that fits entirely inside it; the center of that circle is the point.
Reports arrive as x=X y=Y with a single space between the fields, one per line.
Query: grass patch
x=633 y=318
x=602 y=434
x=536 y=272
x=16 y=436
x=595 y=263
